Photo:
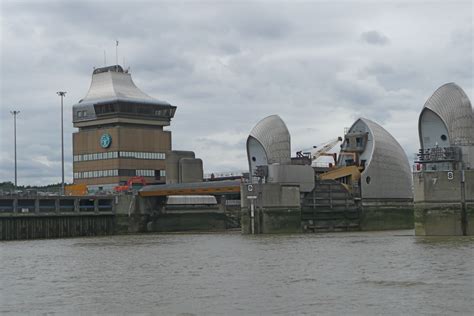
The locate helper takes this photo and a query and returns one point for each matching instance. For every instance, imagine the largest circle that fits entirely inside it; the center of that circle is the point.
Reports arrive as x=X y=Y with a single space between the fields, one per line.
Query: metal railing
x=439 y=154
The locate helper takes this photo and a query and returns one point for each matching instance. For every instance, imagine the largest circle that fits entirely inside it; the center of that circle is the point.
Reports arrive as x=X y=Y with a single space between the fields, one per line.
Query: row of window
x=150 y=173
x=120 y=172
x=120 y=154
x=142 y=155
x=134 y=109
x=96 y=174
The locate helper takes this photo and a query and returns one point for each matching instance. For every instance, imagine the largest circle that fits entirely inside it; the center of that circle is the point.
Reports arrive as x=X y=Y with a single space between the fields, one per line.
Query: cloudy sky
x=318 y=64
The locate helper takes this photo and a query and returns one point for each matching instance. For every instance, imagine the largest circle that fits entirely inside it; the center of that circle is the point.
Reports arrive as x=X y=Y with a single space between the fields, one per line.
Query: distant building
x=120 y=132
x=446 y=130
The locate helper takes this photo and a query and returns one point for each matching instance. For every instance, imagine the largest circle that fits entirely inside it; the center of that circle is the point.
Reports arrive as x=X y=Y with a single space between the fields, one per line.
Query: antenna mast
x=116 y=51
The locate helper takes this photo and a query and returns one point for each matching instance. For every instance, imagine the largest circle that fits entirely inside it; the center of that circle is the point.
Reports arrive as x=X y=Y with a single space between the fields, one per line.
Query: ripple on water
x=199 y=274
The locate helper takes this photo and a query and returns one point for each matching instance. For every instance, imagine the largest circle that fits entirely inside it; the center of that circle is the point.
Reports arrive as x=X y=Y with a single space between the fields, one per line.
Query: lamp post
x=62 y=94
x=15 y=113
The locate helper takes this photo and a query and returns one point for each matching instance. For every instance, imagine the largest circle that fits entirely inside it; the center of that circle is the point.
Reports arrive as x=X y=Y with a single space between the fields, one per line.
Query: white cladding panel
x=273 y=135
x=256 y=154
x=433 y=130
x=453 y=107
x=387 y=173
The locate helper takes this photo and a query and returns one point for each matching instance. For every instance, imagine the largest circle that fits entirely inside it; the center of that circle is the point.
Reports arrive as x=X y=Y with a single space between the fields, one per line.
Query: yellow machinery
x=198 y=188
x=349 y=166
x=75 y=189
x=348 y=175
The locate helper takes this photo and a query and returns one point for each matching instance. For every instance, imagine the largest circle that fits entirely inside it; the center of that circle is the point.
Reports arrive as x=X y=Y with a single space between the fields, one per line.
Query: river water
x=215 y=274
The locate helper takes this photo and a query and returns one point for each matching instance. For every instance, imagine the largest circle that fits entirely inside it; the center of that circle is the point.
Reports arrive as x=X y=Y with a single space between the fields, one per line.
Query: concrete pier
x=270 y=208
x=444 y=203
x=187 y=213
x=386 y=214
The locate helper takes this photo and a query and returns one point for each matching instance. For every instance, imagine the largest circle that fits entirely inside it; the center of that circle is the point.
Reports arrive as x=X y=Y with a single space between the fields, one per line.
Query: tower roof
x=114 y=98
x=111 y=84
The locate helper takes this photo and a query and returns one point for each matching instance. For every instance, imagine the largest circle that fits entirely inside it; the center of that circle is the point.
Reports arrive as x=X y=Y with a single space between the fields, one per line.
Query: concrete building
x=183 y=167
x=121 y=132
x=444 y=179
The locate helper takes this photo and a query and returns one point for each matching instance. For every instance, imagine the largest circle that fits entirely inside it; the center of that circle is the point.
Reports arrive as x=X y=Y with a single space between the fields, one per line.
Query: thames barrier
x=129 y=179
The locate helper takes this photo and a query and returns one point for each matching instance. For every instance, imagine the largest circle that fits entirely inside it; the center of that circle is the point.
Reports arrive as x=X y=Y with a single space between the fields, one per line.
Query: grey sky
x=319 y=65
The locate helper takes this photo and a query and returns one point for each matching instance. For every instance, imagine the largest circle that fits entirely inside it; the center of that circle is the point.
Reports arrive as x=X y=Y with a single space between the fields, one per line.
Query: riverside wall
x=55 y=217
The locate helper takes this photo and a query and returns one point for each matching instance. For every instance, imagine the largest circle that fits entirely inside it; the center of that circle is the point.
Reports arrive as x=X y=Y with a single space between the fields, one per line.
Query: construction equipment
x=75 y=190
x=349 y=166
x=130 y=184
x=315 y=153
x=349 y=176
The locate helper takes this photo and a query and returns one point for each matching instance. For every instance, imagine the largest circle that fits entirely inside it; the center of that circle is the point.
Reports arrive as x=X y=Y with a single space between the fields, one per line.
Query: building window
x=121 y=154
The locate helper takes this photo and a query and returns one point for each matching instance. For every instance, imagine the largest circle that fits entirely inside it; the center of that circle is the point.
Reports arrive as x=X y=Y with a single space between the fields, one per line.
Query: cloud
x=226 y=66
x=374 y=38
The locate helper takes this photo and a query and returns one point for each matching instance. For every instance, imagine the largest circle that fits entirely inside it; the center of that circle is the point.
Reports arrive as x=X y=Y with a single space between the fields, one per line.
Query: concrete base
x=273 y=221
x=277 y=208
x=438 y=199
x=188 y=221
x=386 y=218
x=442 y=219
x=135 y=223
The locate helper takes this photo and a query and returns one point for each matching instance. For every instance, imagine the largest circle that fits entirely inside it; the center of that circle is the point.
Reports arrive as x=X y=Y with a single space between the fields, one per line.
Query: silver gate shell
x=268 y=143
x=451 y=104
x=387 y=173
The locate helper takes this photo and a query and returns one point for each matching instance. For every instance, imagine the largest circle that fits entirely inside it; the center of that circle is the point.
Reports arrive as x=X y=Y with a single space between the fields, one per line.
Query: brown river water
x=360 y=273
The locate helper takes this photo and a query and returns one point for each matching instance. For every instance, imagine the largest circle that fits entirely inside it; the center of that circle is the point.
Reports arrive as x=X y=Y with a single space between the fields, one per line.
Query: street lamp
x=15 y=113
x=62 y=94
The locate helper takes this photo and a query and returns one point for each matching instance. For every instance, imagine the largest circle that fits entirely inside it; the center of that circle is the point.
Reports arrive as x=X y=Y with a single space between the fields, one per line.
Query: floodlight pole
x=15 y=113
x=62 y=94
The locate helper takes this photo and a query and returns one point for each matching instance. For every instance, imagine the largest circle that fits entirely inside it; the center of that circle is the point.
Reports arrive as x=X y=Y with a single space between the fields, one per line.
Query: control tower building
x=121 y=132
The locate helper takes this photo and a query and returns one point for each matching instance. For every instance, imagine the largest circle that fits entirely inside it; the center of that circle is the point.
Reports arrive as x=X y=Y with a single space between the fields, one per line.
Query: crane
x=315 y=153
